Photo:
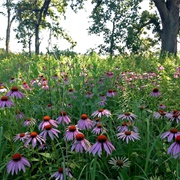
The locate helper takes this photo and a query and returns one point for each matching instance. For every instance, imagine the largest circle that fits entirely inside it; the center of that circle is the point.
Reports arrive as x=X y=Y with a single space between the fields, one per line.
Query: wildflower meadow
x=87 y=117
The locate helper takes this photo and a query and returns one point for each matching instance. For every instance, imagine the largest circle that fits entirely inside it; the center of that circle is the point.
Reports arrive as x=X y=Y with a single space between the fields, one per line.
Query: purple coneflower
x=103 y=97
x=96 y=121
x=3 y=89
x=4 y=102
x=101 y=112
x=155 y=92
x=174 y=116
x=34 y=137
x=29 y=122
x=80 y=143
x=102 y=143
x=17 y=163
x=111 y=93
x=119 y=163
x=46 y=121
x=171 y=134
x=128 y=136
x=71 y=133
x=99 y=129
x=102 y=103
x=110 y=74
x=12 y=79
x=89 y=94
x=174 y=149
x=160 y=114
x=55 y=76
x=59 y=174
x=19 y=115
x=84 y=123
x=49 y=130
x=63 y=118
x=162 y=106
x=160 y=68
x=45 y=87
x=15 y=93
x=22 y=136
x=127 y=115
x=26 y=86
x=127 y=126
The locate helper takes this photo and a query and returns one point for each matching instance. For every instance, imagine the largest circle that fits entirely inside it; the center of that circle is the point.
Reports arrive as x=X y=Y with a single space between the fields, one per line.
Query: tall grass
x=132 y=82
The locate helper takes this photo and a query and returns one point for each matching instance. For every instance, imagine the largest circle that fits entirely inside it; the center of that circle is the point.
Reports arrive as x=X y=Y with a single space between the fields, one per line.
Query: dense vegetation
x=144 y=90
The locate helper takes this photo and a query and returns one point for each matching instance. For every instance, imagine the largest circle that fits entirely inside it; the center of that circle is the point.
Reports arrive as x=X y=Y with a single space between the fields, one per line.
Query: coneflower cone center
x=176 y=115
x=127 y=133
x=84 y=116
x=97 y=119
x=102 y=138
x=100 y=110
x=110 y=91
x=162 y=113
x=33 y=134
x=14 y=88
x=178 y=139
x=99 y=126
x=1 y=87
x=16 y=157
x=127 y=113
x=22 y=135
x=63 y=113
x=48 y=127
x=79 y=137
x=4 y=98
x=155 y=90
x=72 y=128
x=173 y=130
x=60 y=170
x=28 y=119
x=46 y=118
x=119 y=163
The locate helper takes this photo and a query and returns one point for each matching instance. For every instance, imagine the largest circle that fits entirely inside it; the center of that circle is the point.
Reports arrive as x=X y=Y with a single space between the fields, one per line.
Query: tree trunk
x=169 y=13
x=8 y=30
x=37 y=43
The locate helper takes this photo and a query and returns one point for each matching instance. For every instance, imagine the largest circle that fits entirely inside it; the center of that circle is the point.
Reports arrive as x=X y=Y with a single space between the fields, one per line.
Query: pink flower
x=49 y=130
x=4 y=102
x=34 y=137
x=99 y=129
x=29 y=122
x=15 y=93
x=80 y=143
x=46 y=121
x=84 y=123
x=63 y=118
x=128 y=136
x=174 y=149
x=26 y=86
x=22 y=136
x=155 y=92
x=102 y=143
x=59 y=174
x=71 y=133
x=127 y=115
x=170 y=135
x=101 y=112
x=17 y=163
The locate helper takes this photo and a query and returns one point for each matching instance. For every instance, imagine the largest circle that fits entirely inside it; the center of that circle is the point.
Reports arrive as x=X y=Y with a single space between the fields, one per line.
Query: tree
x=9 y=6
x=111 y=18
x=169 y=14
x=34 y=16
x=127 y=27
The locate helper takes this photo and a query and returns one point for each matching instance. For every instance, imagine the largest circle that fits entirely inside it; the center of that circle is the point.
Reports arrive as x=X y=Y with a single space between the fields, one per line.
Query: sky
x=76 y=26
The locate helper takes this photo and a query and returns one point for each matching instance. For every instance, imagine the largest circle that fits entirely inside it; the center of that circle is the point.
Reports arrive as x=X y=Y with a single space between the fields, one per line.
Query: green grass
x=148 y=156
